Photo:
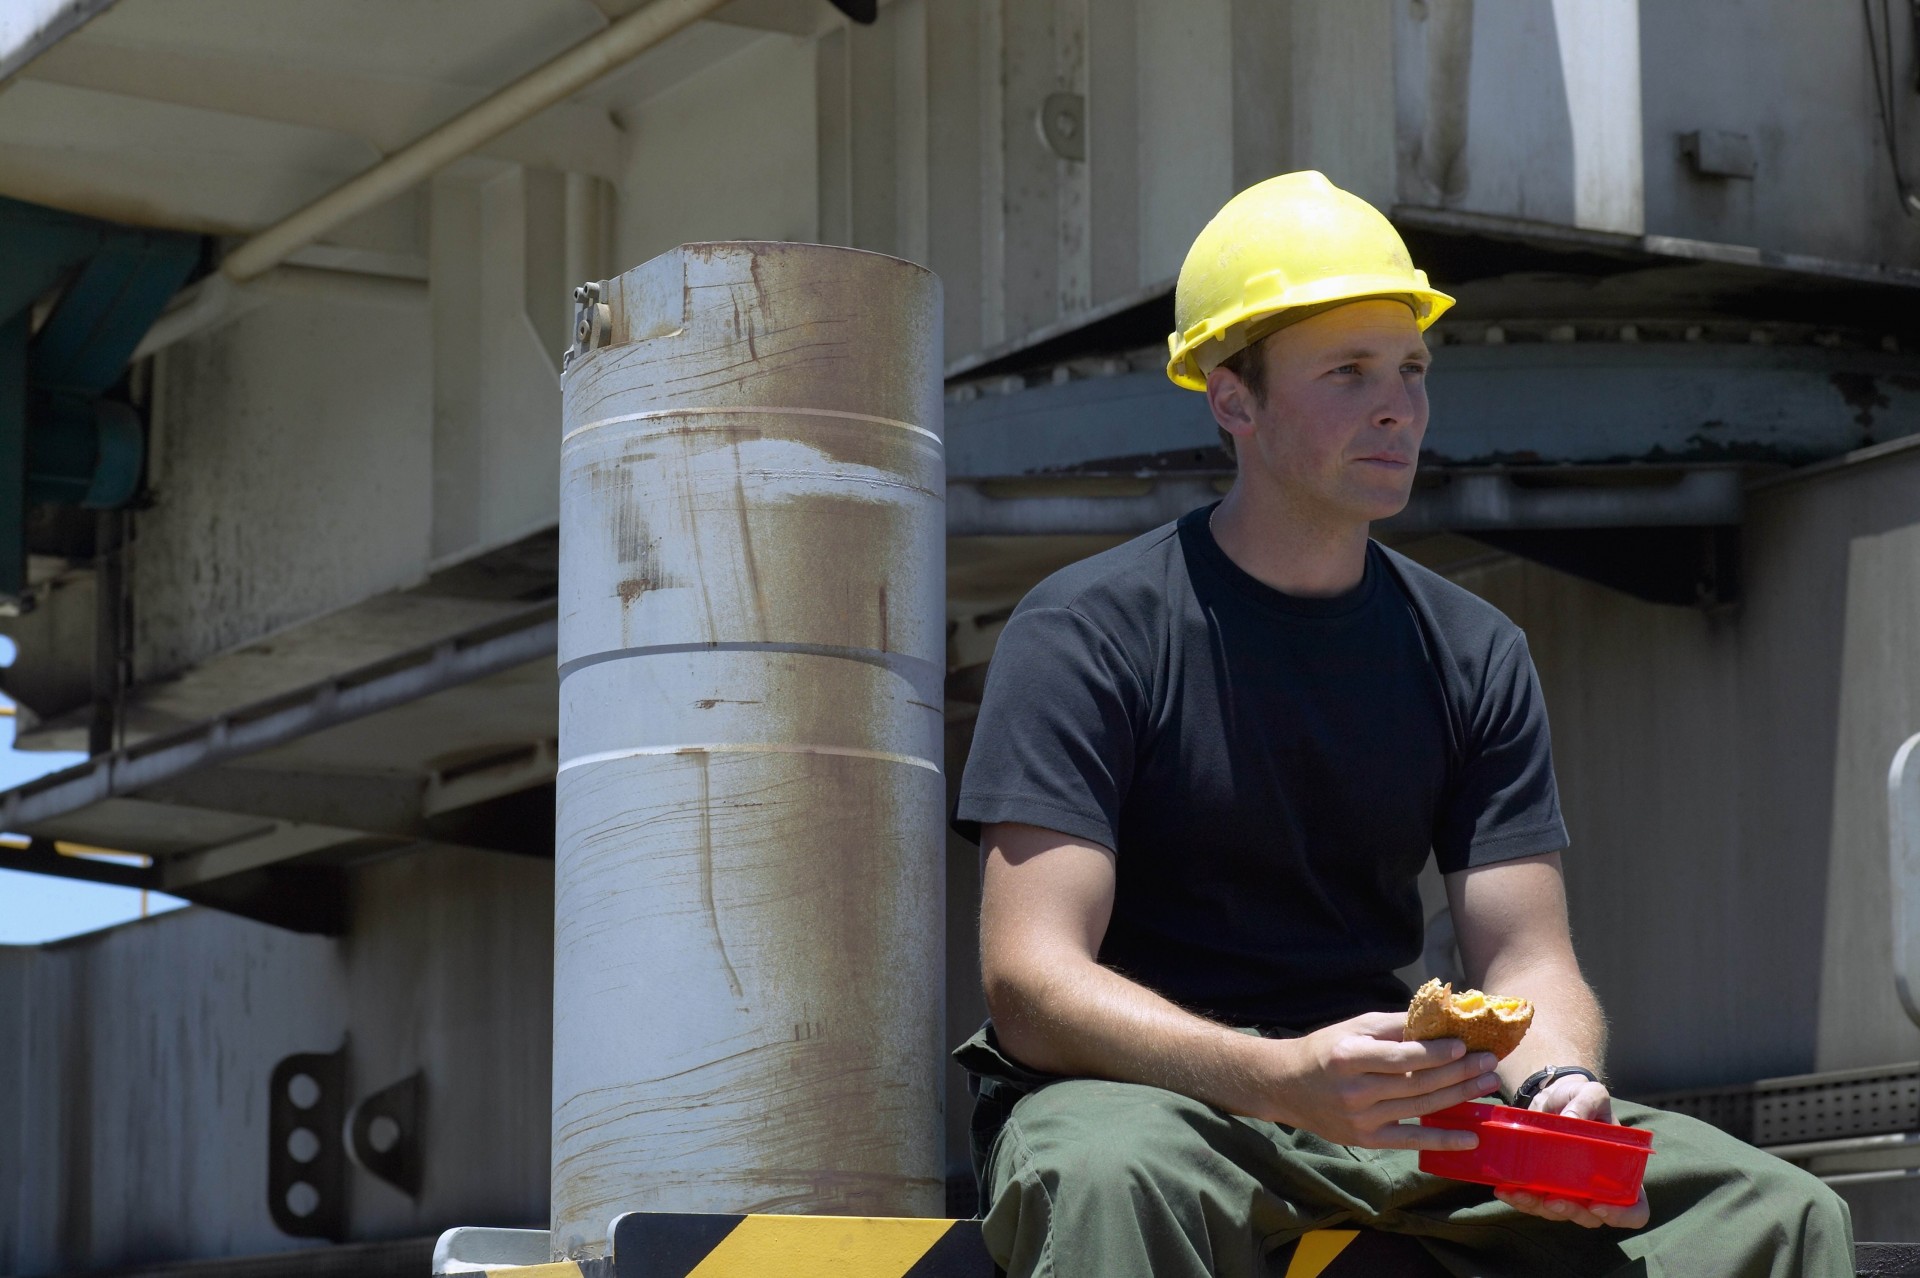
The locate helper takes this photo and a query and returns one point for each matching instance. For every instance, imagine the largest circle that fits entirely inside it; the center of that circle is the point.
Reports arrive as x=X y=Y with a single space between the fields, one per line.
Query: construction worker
x=1209 y=766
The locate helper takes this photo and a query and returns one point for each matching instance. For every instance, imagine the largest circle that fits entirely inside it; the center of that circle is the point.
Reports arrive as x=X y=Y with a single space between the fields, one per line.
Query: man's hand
x=1354 y=1082
x=1577 y=1097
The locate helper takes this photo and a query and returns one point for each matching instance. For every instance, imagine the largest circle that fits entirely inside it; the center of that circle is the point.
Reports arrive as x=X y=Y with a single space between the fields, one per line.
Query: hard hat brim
x=1184 y=369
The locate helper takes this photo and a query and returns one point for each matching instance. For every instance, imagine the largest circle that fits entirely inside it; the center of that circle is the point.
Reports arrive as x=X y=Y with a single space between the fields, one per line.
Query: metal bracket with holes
x=383 y=1134
x=306 y=1157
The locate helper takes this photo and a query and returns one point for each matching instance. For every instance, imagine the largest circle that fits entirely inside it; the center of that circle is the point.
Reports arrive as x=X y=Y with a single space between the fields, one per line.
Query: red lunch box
x=1545 y=1154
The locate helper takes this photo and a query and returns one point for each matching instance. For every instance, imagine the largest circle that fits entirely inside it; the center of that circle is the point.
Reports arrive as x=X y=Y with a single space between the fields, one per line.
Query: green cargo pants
x=1082 y=1178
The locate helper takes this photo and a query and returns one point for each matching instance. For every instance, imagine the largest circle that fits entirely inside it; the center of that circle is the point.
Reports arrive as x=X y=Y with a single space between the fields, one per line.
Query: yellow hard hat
x=1293 y=241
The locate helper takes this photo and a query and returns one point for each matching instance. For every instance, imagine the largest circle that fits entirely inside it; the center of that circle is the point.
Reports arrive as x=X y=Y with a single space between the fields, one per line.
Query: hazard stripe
x=1317 y=1250
x=648 y=1245
x=666 y=1245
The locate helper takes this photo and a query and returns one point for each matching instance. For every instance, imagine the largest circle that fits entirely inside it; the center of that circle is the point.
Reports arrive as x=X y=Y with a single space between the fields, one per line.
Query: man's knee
x=1801 y=1196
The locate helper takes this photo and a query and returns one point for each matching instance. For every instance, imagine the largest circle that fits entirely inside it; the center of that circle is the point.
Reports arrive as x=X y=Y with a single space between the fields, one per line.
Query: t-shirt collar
x=1197 y=532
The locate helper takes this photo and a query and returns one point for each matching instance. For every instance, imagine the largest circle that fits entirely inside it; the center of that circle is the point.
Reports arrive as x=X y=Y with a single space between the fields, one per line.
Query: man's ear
x=1231 y=403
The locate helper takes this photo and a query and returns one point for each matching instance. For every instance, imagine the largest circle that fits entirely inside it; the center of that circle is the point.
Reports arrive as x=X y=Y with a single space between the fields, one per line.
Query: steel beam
x=475 y=654
x=1451 y=500
x=41 y=857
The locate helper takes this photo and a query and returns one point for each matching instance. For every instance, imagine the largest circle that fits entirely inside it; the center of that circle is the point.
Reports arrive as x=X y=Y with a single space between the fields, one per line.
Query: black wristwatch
x=1540 y=1080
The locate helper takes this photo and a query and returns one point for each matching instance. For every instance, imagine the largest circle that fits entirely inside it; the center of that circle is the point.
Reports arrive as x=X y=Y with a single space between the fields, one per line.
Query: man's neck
x=1285 y=545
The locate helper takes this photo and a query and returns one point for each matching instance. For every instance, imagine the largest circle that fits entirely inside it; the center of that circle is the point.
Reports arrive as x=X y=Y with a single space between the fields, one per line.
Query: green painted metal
x=62 y=439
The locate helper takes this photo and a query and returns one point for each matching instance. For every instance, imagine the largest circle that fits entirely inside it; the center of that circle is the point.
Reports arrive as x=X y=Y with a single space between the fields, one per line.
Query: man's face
x=1345 y=410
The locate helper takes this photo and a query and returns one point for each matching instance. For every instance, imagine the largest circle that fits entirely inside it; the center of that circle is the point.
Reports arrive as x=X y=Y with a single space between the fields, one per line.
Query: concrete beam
x=384 y=113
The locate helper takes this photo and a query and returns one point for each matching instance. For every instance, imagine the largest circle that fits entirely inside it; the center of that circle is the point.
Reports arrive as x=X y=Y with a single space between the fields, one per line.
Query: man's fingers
x=1389 y=1027
x=1592 y=1101
x=1414 y=1136
x=1380 y=1056
x=1415 y=1106
x=1586 y=1215
x=1478 y=1066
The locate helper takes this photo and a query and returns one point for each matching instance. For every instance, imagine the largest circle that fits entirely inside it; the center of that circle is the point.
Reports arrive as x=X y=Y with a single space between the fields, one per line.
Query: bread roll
x=1484 y=1022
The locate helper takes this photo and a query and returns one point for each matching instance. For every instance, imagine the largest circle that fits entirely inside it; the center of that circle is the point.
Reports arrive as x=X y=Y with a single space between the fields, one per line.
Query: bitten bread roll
x=1484 y=1022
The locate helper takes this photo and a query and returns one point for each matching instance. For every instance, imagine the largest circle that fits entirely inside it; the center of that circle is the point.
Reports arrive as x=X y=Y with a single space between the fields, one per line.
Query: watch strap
x=1540 y=1080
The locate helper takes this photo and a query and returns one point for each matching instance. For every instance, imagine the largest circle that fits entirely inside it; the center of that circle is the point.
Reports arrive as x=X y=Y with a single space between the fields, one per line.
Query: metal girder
x=1531 y=393
x=1609 y=497
x=462 y=658
x=40 y=856
x=372 y=803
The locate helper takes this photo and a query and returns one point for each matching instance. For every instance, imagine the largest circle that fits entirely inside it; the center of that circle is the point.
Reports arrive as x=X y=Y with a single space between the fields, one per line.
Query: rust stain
x=708 y=703
x=746 y=543
x=631 y=589
x=883 y=618
x=1863 y=394
x=706 y=879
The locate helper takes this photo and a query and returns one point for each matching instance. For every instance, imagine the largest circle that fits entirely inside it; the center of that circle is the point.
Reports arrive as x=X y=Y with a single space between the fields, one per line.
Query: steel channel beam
x=41 y=857
x=475 y=654
x=1845 y=1145
x=1463 y=502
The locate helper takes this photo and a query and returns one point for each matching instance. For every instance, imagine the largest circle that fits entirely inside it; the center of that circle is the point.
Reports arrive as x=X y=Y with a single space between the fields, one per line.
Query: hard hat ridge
x=1295 y=242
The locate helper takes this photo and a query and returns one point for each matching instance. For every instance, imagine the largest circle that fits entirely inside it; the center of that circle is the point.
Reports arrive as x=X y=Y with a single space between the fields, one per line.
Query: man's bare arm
x=1046 y=900
x=1511 y=919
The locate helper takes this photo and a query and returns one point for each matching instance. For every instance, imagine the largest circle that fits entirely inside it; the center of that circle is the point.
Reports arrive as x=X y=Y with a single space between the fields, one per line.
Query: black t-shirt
x=1270 y=771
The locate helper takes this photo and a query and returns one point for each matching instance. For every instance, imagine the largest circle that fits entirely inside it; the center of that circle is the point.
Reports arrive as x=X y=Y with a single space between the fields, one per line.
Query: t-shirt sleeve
x=1054 y=744
x=1504 y=802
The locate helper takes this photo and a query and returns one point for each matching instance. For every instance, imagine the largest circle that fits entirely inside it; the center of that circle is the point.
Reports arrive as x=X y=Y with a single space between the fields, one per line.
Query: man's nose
x=1397 y=406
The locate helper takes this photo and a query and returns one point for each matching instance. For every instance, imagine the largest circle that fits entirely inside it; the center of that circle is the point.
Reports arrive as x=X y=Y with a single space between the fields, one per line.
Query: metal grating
x=1728 y=1108
x=1806 y=1107
x=1859 y=1103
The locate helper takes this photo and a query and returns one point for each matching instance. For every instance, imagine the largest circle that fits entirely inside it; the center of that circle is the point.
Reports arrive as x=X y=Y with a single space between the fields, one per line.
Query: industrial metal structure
x=314 y=646
x=749 y=902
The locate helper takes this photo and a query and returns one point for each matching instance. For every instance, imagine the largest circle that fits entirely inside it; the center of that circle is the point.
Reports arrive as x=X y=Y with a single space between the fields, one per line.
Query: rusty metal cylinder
x=749 y=892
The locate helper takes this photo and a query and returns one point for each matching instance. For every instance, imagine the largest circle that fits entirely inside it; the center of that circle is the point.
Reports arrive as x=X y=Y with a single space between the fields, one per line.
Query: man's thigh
x=1164 y=1178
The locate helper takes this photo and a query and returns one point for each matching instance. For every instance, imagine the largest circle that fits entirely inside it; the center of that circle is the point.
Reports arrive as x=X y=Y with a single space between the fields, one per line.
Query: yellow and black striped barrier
x=683 y=1245
x=650 y=1245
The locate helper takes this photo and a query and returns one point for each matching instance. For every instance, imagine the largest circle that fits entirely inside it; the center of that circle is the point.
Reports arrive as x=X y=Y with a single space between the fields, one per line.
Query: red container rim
x=1475 y=1114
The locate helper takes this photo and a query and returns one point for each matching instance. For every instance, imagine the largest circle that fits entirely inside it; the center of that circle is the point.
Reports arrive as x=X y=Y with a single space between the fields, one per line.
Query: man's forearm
x=1074 y=1017
x=1568 y=1027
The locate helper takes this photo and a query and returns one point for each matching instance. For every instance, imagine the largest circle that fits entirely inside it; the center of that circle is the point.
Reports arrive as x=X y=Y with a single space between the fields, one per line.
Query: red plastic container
x=1545 y=1154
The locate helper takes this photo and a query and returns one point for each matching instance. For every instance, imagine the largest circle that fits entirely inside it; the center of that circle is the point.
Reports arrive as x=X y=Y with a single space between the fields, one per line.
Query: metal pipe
x=749 y=862
x=481 y=123
x=1871 y=1177
x=1845 y=1145
x=1903 y=825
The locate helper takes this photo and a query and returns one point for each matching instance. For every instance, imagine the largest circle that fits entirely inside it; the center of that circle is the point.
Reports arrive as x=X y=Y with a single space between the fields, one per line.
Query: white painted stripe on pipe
x=657 y=413
x=744 y=747
x=916 y=670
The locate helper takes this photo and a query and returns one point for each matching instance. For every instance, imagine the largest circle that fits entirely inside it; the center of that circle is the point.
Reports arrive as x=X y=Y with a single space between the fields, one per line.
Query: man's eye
x=1348 y=368
x=1418 y=370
